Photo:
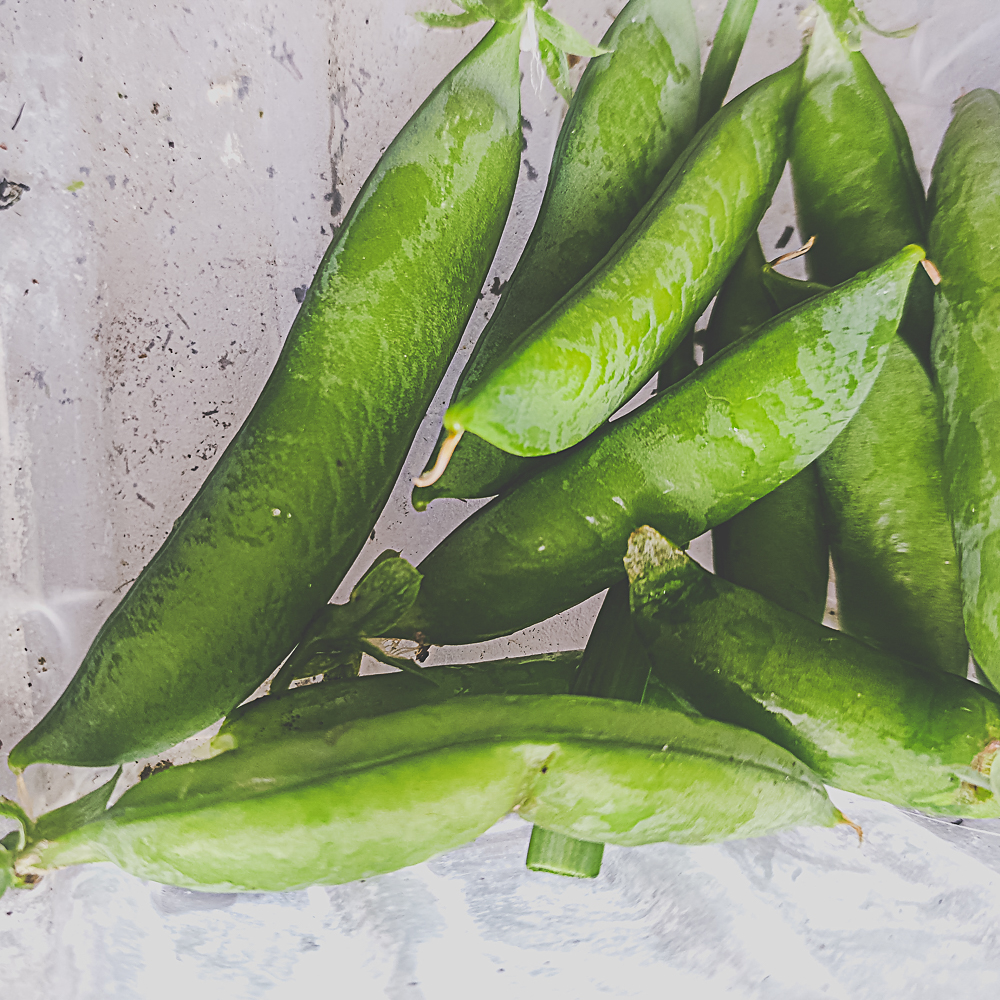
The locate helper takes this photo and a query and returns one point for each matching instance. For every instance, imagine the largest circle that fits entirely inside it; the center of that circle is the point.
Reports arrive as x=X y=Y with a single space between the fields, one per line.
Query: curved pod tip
x=793 y=254
x=447 y=449
x=844 y=821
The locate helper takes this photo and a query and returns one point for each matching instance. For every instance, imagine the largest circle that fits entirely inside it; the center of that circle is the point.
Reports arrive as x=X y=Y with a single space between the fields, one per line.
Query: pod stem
x=11 y=810
x=854 y=826
x=791 y=255
x=553 y=852
x=22 y=794
x=447 y=449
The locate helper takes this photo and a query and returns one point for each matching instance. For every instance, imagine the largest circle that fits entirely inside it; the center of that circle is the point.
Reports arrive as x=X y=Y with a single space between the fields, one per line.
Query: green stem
x=549 y=851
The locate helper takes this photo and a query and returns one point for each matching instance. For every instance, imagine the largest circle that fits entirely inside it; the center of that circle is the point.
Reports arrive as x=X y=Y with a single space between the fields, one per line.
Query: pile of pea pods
x=847 y=419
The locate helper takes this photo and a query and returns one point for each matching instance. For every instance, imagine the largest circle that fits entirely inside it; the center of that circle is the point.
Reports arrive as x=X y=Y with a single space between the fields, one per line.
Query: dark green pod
x=288 y=506
x=322 y=706
x=633 y=112
x=377 y=794
x=688 y=459
x=605 y=338
x=965 y=233
x=858 y=191
x=865 y=721
x=776 y=546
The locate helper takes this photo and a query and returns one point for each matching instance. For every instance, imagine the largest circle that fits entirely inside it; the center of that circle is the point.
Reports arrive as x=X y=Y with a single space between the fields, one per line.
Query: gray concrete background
x=184 y=169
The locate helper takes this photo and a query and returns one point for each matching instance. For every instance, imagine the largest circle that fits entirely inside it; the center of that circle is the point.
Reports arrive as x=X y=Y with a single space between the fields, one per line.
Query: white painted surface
x=217 y=145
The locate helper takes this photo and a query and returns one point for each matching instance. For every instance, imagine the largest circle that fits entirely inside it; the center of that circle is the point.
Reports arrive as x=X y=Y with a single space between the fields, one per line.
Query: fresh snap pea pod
x=323 y=706
x=603 y=340
x=377 y=794
x=633 y=112
x=776 y=546
x=858 y=192
x=686 y=460
x=965 y=231
x=864 y=720
x=288 y=506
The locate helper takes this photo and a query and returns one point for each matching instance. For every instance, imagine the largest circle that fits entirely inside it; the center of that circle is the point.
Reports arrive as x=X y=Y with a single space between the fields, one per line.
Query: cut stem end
x=854 y=826
x=561 y=855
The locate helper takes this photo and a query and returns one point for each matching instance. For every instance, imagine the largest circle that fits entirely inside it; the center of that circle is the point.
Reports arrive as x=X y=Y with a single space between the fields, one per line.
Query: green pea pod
x=378 y=794
x=966 y=350
x=686 y=460
x=776 y=546
x=288 y=506
x=323 y=706
x=857 y=190
x=865 y=721
x=633 y=113
x=575 y=366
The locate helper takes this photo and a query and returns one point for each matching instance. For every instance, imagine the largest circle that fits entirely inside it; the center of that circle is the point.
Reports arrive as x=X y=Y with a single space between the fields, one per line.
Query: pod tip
x=854 y=826
x=792 y=254
x=22 y=794
x=447 y=449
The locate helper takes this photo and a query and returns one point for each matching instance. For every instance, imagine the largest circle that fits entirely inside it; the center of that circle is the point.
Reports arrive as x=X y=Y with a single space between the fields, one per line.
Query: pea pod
x=378 y=794
x=576 y=365
x=966 y=351
x=633 y=112
x=776 y=546
x=332 y=703
x=288 y=506
x=857 y=190
x=865 y=721
x=685 y=461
